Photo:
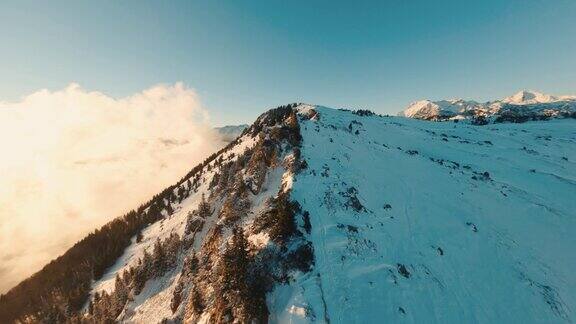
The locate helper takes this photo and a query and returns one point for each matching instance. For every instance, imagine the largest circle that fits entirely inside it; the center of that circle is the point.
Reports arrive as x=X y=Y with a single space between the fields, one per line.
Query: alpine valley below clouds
x=75 y=159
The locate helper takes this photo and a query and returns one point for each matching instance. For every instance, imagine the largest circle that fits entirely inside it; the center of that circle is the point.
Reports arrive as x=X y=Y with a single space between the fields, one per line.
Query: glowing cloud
x=72 y=160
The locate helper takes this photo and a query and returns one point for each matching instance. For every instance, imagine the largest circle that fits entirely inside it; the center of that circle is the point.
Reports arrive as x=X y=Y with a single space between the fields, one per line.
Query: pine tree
x=147 y=265
x=181 y=193
x=204 y=208
x=90 y=307
x=104 y=308
x=224 y=175
x=176 y=297
x=234 y=273
x=142 y=273
x=284 y=225
x=196 y=302
x=172 y=248
x=190 y=266
x=158 y=259
x=120 y=295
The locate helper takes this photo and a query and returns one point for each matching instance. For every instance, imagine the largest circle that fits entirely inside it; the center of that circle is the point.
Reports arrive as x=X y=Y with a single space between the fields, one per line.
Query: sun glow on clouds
x=72 y=160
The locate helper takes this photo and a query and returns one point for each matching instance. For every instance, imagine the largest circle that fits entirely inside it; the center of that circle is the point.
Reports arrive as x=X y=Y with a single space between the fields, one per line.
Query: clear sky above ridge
x=247 y=56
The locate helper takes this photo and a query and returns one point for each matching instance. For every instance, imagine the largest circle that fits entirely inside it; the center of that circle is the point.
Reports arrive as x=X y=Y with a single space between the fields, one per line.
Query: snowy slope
x=409 y=221
x=407 y=228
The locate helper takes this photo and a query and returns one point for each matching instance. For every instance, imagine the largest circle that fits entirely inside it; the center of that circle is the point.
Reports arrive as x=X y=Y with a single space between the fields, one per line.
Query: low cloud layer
x=72 y=160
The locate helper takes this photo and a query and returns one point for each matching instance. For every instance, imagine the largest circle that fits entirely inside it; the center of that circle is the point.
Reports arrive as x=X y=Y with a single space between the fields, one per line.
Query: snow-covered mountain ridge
x=322 y=215
x=520 y=107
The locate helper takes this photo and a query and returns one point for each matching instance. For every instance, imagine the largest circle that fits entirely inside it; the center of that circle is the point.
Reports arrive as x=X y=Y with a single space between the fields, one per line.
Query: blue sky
x=246 y=56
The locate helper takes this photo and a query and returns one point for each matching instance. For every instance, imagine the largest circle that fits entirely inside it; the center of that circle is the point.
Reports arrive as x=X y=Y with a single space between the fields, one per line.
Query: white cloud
x=71 y=160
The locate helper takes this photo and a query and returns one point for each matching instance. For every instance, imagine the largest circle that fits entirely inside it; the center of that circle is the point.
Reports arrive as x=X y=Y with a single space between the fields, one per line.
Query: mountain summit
x=525 y=97
x=320 y=215
x=532 y=97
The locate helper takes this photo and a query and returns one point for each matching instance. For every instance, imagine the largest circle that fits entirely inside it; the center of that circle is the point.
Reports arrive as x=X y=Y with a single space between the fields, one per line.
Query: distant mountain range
x=520 y=107
x=230 y=132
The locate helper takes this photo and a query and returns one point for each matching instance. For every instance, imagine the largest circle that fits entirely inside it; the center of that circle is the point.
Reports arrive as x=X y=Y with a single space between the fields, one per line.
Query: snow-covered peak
x=426 y=109
x=526 y=97
x=420 y=107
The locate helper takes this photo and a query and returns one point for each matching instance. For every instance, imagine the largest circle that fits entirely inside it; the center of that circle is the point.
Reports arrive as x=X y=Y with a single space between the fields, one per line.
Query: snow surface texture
x=411 y=221
x=407 y=227
x=523 y=103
